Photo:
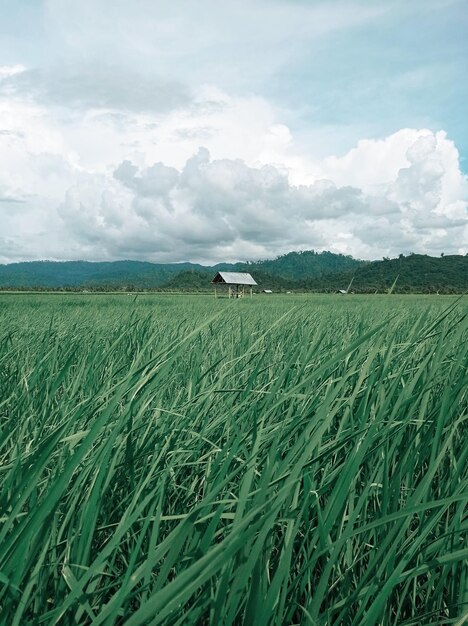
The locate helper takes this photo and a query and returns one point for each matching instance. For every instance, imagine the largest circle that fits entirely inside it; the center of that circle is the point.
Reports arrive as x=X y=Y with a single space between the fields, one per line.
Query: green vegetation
x=416 y=273
x=79 y=274
x=296 y=271
x=193 y=280
x=412 y=274
x=128 y=275
x=278 y=460
x=308 y=264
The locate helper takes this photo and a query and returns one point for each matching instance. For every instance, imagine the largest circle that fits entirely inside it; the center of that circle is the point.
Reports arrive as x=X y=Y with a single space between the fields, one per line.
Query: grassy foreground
x=275 y=461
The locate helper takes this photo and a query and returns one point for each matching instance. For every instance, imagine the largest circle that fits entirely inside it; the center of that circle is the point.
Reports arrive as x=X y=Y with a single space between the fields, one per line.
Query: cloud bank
x=218 y=209
x=208 y=177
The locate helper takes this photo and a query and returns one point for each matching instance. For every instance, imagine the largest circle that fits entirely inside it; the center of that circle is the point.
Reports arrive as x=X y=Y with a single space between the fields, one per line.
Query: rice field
x=279 y=460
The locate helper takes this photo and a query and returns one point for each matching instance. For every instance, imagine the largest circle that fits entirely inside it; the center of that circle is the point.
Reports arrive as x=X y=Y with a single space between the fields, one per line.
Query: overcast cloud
x=156 y=131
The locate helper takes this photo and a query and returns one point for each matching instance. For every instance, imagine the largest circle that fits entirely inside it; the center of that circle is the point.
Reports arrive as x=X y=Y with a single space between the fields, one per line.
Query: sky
x=213 y=131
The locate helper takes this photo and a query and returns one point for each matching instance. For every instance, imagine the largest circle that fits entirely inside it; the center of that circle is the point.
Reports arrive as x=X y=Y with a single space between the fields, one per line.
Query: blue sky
x=321 y=93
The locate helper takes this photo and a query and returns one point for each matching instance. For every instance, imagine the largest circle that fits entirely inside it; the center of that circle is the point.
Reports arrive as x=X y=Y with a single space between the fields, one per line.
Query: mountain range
x=295 y=271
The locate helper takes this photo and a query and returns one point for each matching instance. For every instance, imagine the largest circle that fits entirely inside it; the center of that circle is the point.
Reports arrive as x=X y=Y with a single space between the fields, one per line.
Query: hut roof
x=234 y=278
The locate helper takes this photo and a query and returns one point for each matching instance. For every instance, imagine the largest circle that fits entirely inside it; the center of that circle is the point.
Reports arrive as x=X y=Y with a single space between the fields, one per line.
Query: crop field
x=278 y=460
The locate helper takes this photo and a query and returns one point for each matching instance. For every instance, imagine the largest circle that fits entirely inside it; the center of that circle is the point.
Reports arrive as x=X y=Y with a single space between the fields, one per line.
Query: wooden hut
x=235 y=282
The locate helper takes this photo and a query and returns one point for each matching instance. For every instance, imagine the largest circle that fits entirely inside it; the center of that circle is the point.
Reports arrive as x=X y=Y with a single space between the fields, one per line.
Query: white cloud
x=101 y=182
x=10 y=70
x=210 y=209
x=93 y=85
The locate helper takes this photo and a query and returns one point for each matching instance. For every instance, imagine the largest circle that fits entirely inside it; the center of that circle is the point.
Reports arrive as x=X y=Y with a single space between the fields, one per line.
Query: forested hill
x=296 y=271
x=307 y=264
x=136 y=274
x=82 y=274
x=413 y=273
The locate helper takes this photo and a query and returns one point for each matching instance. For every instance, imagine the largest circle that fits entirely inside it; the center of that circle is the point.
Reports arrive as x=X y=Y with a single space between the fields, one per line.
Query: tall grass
x=186 y=461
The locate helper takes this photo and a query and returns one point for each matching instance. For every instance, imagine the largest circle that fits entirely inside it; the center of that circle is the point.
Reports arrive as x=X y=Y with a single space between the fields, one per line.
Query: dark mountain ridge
x=56 y=274
x=82 y=274
x=414 y=273
x=295 y=271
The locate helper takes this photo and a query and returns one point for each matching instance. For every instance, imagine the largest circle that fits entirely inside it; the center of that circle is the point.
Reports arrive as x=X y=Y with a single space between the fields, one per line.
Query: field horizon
x=305 y=270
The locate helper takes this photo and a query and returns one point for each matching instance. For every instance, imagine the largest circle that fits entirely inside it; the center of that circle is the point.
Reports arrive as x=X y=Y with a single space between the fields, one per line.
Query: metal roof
x=234 y=278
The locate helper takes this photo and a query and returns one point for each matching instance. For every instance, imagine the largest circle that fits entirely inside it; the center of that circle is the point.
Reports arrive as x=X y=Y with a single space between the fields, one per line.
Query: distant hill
x=296 y=271
x=196 y=280
x=307 y=264
x=82 y=274
x=414 y=273
x=189 y=280
x=138 y=274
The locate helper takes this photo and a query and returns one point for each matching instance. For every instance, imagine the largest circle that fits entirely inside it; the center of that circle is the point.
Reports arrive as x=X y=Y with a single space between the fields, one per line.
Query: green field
x=269 y=461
